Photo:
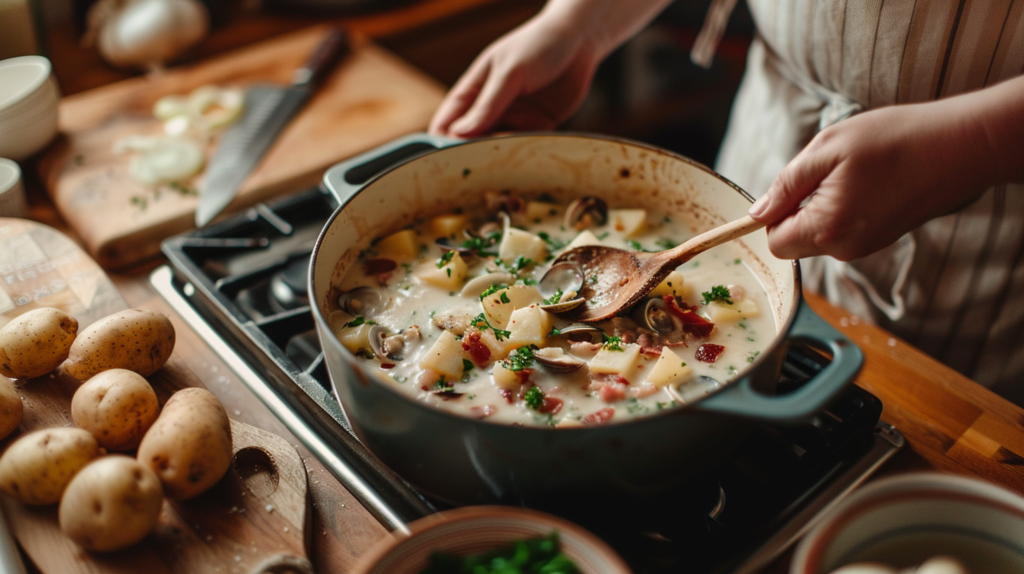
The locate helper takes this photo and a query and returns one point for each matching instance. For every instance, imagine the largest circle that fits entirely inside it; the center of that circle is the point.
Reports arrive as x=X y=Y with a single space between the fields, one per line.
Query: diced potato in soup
x=476 y=324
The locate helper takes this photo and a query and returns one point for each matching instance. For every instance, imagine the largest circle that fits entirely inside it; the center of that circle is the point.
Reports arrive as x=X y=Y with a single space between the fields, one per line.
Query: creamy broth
x=437 y=348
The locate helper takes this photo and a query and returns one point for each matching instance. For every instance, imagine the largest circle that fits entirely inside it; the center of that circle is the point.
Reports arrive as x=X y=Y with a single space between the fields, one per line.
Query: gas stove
x=241 y=285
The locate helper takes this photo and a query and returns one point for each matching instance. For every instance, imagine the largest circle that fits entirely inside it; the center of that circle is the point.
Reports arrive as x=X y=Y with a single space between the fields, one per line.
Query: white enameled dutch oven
x=469 y=461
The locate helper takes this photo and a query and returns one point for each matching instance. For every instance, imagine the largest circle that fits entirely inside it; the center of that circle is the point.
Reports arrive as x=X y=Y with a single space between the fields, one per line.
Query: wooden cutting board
x=253 y=521
x=370 y=98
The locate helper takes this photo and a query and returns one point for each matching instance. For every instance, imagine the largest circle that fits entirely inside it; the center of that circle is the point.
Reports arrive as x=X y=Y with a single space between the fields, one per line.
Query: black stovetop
x=242 y=285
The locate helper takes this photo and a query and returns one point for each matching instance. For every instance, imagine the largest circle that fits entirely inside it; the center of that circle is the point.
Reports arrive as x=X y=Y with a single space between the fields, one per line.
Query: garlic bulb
x=146 y=33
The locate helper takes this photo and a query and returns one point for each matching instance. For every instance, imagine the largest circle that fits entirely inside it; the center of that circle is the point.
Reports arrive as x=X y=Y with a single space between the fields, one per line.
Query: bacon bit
x=383 y=278
x=478 y=351
x=508 y=395
x=650 y=353
x=643 y=391
x=378 y=266
x=599 y=417
x=708 y=352
x=387 y=365
x=482 y=411
x=550 y=406
x=628 y=337
x=612 y=393
x=676 y=344
x=607 y=379
x=693 y=323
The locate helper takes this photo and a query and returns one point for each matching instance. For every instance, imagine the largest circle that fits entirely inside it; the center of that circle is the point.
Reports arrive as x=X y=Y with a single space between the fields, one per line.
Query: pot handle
x=742 y=400
x=344 y=180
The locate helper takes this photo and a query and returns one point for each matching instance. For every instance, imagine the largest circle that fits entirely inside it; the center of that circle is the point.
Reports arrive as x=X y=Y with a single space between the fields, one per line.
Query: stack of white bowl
x=28 y=106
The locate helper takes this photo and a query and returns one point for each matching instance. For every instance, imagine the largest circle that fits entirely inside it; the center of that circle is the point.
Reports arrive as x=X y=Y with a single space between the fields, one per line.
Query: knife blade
x=268 y=109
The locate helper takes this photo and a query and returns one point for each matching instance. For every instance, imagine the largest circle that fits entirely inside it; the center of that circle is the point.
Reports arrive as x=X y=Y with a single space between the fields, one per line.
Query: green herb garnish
x=521 y=358
x=555 y=244
x=665 y=243
x=717 y=293
x=554 y=298
x=499 y=334
x=534 y=398
x=554 y=332
x=445 y=259
x=467 y=365
x=613 y=343
x=492 y=290
x=530 y=556
x=357 y=321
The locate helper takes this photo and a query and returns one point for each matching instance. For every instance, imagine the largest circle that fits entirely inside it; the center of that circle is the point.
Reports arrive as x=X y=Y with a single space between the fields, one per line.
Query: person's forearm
x=996 y=120
x=608 y=23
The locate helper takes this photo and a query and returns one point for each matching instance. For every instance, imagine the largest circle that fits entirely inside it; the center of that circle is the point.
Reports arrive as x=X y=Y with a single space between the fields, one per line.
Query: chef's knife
x=268 y=109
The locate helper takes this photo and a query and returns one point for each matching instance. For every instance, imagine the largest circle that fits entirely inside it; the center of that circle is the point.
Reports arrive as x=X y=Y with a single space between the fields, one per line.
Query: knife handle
x=323 y=58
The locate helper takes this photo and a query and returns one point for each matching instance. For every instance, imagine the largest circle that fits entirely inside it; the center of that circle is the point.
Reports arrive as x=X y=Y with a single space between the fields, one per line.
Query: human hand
x=533 y=78
x=873 y=178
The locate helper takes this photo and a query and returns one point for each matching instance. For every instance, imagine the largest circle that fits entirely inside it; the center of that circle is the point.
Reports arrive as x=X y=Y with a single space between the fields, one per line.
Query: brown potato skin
x=112 y=503
x=135 y=339
x=117 y=406
x=37 y=467
x=11 y=408
x=35 y=343
x=189 y=445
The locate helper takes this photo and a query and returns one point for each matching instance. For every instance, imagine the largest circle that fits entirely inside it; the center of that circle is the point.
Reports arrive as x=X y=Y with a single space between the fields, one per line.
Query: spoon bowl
x=615 y=279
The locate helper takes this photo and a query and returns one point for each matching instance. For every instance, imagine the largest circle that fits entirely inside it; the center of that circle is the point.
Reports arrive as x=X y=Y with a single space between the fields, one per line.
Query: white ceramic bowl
x=904 y=520
x=28 y=106
x=477 y=529
x=12 y=193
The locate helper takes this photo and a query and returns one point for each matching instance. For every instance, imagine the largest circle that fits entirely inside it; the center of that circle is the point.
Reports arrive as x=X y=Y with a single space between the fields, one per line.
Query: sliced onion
x=161 y=159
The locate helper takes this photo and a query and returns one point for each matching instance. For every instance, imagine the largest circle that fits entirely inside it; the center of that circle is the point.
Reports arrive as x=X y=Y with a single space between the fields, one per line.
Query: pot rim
x=320 y=319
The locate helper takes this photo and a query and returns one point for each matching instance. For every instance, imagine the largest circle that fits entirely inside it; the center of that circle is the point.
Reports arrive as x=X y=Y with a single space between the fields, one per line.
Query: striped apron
x=955 y=286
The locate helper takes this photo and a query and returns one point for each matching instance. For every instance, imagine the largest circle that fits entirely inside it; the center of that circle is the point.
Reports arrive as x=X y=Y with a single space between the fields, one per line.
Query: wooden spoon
x=615 y=279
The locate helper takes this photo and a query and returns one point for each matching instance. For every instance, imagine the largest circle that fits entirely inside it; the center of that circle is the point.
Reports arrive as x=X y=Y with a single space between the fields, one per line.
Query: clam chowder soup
x=466 y=312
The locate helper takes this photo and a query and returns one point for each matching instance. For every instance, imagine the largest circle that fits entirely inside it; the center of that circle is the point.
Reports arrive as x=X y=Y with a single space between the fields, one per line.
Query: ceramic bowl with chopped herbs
x=492 y=539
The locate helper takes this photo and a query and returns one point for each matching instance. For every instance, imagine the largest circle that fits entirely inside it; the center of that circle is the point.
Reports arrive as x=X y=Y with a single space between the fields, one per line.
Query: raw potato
x=117 y=406
x=36 y=467
x=189 y=445
x=136 y=339
x=35 y=343
x=112 y=503
x=11 y=408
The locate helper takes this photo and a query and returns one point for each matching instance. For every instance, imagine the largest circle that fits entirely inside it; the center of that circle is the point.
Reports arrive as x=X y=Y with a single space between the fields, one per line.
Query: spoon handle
x=738 y=228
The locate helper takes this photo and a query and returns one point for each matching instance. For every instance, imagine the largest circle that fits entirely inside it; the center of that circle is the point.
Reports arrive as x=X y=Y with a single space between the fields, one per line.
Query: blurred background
x=648 y=90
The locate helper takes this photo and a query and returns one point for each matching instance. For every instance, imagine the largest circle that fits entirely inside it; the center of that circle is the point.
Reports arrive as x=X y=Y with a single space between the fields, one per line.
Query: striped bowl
x=477 y=529
x=905 y=520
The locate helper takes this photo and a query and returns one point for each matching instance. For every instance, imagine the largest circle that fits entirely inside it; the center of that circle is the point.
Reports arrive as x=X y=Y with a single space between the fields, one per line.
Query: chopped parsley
x=751 y=357
x=407 y=266
x=555 y=243
x=479 y=245
x=534 y=398
x=504 y=297
x=603 y=235
x=635 y=245
x=359 y=320
x=635 y=407
x=499 y=334
x=521 y=358
x=717 y=293
x=554 y=298
x=554 y=332
x=443 y=386
x=665 y=243
x=492 y=290
x=592 y=279
x=516 y=266
x=613 y=343
x=445 y=259
x=467 y=365
x=737 y=261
